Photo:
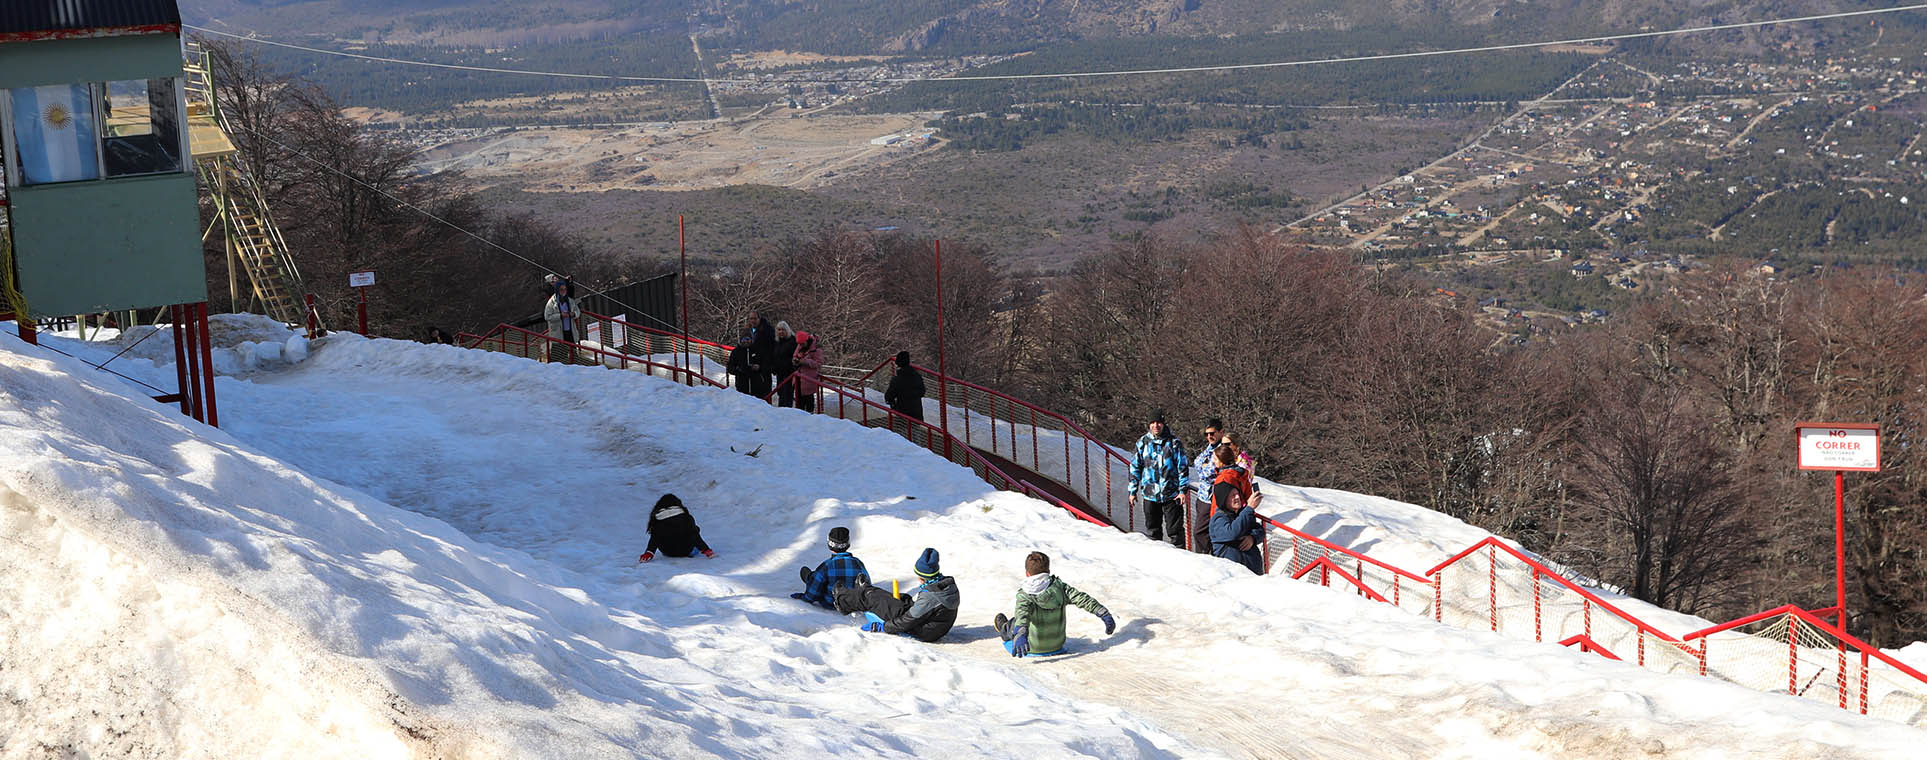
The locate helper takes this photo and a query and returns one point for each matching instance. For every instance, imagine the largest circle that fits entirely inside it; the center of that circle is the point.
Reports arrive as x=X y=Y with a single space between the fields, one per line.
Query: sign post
x=1840 y=447
x=361 y=281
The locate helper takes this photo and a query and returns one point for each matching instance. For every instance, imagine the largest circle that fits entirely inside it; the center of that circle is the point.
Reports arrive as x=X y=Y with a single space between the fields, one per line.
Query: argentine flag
x=54 y=127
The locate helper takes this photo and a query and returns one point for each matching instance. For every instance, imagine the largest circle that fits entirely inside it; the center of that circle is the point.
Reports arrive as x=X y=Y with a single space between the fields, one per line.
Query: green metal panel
x=87 y=247
x=89 y=59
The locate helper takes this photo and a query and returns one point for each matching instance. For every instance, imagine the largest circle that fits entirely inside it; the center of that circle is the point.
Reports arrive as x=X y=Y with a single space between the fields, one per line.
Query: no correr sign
x=1839 y=446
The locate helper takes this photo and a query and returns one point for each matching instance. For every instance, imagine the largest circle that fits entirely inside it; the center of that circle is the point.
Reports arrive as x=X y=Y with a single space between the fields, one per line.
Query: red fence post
x=207 y=362
x=1792 y=655
x=180 y=357
x=1863 y=682
x=1438 y=599
x=1537 y=627
x=1842 y=672
x=1036 y=464
x=1492 y=583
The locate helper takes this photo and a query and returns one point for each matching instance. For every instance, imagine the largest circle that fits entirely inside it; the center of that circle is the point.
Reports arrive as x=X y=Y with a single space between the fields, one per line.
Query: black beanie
x=903 y=359
x=839 y=539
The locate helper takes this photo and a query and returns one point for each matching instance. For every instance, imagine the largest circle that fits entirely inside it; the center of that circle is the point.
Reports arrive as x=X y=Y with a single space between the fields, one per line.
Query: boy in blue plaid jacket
x=840 y=570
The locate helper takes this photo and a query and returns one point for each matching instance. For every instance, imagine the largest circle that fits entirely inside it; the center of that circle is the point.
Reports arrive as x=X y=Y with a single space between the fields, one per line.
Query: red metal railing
x=529 y=344
x=1020 y=432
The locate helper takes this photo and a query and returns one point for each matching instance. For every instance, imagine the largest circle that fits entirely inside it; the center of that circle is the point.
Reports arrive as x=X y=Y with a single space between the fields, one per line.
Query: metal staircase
x=252 y=236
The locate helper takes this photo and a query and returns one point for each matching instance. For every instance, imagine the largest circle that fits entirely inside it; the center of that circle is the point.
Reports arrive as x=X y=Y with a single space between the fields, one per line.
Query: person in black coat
x=673 y=531
x=905 y=393
x=762 y=350
x=783 y=363
x=738 y=364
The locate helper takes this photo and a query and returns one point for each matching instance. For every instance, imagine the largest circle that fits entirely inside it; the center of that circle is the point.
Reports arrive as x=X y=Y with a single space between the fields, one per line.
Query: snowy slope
x=405 y=550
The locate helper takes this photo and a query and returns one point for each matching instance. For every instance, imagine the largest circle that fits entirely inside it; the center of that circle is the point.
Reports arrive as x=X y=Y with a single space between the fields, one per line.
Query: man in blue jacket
x=841 y=570
x=1158 y=477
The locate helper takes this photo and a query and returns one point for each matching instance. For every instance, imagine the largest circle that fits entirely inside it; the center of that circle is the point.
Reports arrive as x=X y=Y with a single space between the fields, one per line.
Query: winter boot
x=806 y=575
x=1002 y=624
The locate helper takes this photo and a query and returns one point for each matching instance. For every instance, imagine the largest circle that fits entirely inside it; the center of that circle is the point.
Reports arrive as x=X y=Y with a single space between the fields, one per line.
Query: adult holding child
x=1236 y=533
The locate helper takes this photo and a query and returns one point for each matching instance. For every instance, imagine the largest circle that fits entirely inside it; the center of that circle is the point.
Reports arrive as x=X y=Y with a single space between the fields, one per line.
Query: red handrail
x=1556 y=577
x=664 y=333
x=1327 y=566
x=625 y=359
x=1346 y=551
x=1069 y=426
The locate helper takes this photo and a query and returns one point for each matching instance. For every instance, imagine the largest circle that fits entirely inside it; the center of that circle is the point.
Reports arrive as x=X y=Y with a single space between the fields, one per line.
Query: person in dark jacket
x=762 y=344
x=927 y=612
x=783 y=363
x=673 y=532
x=905 y=393
x=1236 y=534
x=738 y=364
x=840 y=570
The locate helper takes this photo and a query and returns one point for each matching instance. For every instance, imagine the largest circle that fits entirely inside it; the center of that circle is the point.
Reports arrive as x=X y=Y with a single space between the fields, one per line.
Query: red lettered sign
x=1839 y=446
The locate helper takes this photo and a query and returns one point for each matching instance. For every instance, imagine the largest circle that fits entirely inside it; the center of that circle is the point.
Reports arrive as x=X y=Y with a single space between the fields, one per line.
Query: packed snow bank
x=508 y=611
x=332 y=624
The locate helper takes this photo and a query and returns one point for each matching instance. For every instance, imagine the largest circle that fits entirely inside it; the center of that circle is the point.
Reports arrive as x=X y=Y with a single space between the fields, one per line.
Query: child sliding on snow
x=673 y=531
x=840 y=570
x=926 y=612
x=1039 y=625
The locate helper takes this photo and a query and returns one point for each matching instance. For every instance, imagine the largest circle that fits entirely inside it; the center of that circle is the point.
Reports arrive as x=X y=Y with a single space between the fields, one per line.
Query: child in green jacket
x=1039 y=625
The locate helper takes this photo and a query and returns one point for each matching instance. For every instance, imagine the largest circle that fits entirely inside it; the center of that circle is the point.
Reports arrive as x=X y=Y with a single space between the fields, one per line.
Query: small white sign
x=594 y=333
x=1839 y=446
x=361 y=279
x=618 y=335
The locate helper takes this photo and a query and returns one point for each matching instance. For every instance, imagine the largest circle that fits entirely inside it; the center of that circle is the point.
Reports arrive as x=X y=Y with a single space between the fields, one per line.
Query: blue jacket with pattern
x=1159 y=470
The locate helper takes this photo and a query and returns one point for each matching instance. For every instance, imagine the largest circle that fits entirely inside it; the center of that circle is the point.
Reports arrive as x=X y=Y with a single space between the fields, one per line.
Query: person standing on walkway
x=1158 y=479
x=783 y=363
x=1197 y=494
x=738 y=364
x=809 y=364
x=762 y=347
x=563 y=313
x=905 y=393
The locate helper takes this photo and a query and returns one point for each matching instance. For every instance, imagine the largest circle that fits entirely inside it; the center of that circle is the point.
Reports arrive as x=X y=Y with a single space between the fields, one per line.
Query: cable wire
x=1094 y=74
x=426 y=213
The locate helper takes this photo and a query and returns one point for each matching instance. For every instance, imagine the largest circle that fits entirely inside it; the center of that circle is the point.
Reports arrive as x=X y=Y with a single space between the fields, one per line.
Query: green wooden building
x=99 y=174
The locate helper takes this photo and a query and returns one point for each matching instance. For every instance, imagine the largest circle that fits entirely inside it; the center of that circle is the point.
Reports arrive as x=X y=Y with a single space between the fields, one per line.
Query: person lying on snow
x=673 y=531
x=927 y=613
x=1039 y=624
x=841 y=570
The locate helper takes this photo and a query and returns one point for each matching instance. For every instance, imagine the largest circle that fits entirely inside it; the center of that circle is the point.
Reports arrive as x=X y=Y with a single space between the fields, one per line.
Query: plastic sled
x=1008 y=646
x=871 y=617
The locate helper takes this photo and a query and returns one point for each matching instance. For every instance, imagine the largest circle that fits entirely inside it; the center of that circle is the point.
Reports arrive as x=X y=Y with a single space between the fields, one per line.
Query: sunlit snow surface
x=396 y=550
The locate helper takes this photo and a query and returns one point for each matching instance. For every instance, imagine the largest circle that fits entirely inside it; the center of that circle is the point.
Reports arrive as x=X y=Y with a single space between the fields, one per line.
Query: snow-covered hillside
x=398 y=550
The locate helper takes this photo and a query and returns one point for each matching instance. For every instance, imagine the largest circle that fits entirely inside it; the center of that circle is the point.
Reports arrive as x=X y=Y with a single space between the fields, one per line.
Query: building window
x=143 y=134
x=54 y=134
x=76 y=132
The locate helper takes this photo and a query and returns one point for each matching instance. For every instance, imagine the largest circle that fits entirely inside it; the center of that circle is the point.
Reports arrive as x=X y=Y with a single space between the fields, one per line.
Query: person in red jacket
x=809 y=364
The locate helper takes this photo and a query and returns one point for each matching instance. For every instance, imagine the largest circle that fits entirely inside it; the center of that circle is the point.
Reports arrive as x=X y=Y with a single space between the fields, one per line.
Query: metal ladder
x=251 y=232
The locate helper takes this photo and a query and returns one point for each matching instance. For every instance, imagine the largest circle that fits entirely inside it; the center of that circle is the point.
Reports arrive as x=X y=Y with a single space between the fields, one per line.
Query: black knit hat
x=903 y=358
x=839 y=539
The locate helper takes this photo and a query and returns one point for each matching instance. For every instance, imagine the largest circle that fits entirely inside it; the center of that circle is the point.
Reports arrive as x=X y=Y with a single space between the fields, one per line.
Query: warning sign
x=1839 y=446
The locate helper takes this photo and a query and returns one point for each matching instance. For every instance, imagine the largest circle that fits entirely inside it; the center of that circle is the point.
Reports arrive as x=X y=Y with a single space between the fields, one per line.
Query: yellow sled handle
x=893 y=589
